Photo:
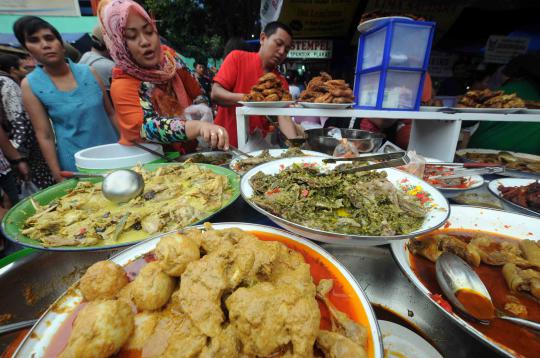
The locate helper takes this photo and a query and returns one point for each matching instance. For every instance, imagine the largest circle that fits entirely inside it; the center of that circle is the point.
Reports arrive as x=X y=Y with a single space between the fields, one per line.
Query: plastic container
x=391 y=65
x=115 y=156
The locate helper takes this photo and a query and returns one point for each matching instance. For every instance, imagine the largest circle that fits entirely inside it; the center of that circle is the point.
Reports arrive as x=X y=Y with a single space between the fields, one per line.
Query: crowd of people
x=132 y=88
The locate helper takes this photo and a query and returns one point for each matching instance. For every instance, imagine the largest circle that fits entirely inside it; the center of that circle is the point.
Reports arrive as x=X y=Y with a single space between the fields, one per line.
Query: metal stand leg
x=241 y=130
x=435 y=139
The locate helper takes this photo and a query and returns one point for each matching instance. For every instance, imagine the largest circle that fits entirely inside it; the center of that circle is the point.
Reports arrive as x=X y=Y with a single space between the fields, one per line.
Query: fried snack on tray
x=490 y=99
x=323 y=89
x=268 y=89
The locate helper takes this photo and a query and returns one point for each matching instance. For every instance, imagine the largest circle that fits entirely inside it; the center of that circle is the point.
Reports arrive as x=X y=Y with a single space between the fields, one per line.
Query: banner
x=319 y=18
x=501 y=49
x=270 y=10
x=321 y=49
x=40 y=7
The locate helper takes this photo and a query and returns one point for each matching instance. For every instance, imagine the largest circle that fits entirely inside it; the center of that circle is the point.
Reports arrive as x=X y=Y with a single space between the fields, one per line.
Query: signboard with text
x=311 y=49
x=501 y=49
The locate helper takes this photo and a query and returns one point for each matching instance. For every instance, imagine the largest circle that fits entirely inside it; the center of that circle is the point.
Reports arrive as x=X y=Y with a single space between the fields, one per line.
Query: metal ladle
x=119 y=186
x=455 y=275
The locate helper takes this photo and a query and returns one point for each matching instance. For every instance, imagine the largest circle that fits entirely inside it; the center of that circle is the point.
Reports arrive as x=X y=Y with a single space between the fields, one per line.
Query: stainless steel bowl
x=210 y=155
x=364 y=141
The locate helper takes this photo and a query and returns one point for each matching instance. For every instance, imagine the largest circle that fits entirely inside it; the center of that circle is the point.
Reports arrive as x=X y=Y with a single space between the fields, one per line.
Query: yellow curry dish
x=173 y=197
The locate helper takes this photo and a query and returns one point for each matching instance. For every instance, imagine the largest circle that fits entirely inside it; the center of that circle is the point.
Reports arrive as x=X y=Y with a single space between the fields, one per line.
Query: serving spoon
x=119 y=186
x=466 y=291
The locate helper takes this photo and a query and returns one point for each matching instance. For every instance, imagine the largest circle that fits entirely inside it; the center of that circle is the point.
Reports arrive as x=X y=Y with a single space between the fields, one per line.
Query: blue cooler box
x=391 y=65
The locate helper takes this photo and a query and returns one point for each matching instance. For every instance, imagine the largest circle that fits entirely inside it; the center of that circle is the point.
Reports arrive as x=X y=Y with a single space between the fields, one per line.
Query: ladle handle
x=13 y=327
x=68 y=175
x=522 y=322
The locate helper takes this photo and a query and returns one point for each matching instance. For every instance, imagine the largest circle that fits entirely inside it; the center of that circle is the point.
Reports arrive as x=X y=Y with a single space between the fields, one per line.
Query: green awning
x=64 y=24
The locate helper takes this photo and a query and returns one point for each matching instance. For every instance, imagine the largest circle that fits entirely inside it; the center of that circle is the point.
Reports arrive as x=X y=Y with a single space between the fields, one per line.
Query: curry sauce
x=523 y=341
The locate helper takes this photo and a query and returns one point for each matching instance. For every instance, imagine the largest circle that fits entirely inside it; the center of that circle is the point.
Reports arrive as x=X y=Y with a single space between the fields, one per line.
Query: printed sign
x=501 y=49
x=311 y=49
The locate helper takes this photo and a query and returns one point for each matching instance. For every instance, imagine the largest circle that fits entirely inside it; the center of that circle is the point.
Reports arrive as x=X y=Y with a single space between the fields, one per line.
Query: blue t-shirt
x=78 y=116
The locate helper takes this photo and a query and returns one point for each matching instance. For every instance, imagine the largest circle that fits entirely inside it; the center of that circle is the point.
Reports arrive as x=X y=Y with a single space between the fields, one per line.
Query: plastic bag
x=345 y=149
x=416 y=166
x=27 y=189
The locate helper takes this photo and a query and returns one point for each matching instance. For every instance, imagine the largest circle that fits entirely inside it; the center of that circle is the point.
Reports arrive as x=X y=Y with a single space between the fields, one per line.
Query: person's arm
x=106 y=101
x=223 y=97
x=287 y=127
x=12 y=101
x=42 y=127
x=13 y=155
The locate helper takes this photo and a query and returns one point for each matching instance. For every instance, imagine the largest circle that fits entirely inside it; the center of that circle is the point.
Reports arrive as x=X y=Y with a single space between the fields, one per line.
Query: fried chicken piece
x=431 y=247
x=175 y=336
x=270 y=76
x=272 y=98
x=341 y=323
x=247 y=98
x=343 y=100
x=519 y=280
x=338 y=92
x=152 y=288
x=226 y=344
x=325 y=76
x=515 y=307
x=103 y=280
x=271 y=91
x=335 y=345
x=325 y=98
x=338 y=83
x=267 y=318
x=497 y=253
x=174 y=252
x=290 y=269
x=100 y=330
x=286 y=97
x=144 y=325
x=531 y=251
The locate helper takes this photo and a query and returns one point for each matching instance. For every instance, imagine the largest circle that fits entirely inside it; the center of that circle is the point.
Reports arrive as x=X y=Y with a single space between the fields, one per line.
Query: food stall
x=346 y=248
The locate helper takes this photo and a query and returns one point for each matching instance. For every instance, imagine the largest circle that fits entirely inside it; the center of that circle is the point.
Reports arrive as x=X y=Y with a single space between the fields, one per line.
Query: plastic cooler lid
x=115 y=155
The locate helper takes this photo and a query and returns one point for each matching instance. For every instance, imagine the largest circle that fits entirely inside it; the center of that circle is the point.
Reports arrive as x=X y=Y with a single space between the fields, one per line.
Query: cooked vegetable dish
x=211 y=293
x=363 y=203
x=173 y=197
x=246 y=164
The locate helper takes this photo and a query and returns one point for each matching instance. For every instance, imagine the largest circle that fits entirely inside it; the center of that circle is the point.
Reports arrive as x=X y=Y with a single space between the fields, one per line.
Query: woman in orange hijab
x=152 y=89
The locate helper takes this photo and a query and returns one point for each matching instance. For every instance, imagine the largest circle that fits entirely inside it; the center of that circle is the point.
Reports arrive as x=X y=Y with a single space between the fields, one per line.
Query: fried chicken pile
x=267 y=89
x=490 y=99
x=210 y=294
x=323 y=89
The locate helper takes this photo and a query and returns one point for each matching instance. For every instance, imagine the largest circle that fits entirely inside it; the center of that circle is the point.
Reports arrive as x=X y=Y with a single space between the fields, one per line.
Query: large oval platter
x=346 y=292
x=435 y=203
x=473 y=219
x=13 y=221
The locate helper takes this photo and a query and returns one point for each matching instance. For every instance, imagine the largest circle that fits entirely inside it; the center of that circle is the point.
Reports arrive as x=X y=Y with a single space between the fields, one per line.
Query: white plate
x=477 y=182
x=487 y=110
x=274 y=153
x=325 y=105
x=262 y=104
x=508 y=172
x=493 y=188
x=370 y=24
x=473 y=218
x=40 y=336
x=438 y=205
x=401 y=342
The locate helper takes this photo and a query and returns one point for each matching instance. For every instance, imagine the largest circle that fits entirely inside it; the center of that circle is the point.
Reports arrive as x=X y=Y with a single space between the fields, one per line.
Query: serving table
x=433 y=134
x=35 y=281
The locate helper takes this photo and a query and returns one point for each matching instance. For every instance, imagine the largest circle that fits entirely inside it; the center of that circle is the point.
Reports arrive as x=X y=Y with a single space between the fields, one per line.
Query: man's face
x=274 y=48
x=200 y=69
x=20 y=71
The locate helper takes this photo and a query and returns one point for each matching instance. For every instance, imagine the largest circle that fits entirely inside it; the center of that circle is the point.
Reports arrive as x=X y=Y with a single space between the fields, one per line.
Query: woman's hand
x=214 y=135
x=24 y=170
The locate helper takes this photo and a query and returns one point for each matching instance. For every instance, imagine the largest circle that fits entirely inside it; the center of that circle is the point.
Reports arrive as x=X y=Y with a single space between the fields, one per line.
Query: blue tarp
x=11 y=40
